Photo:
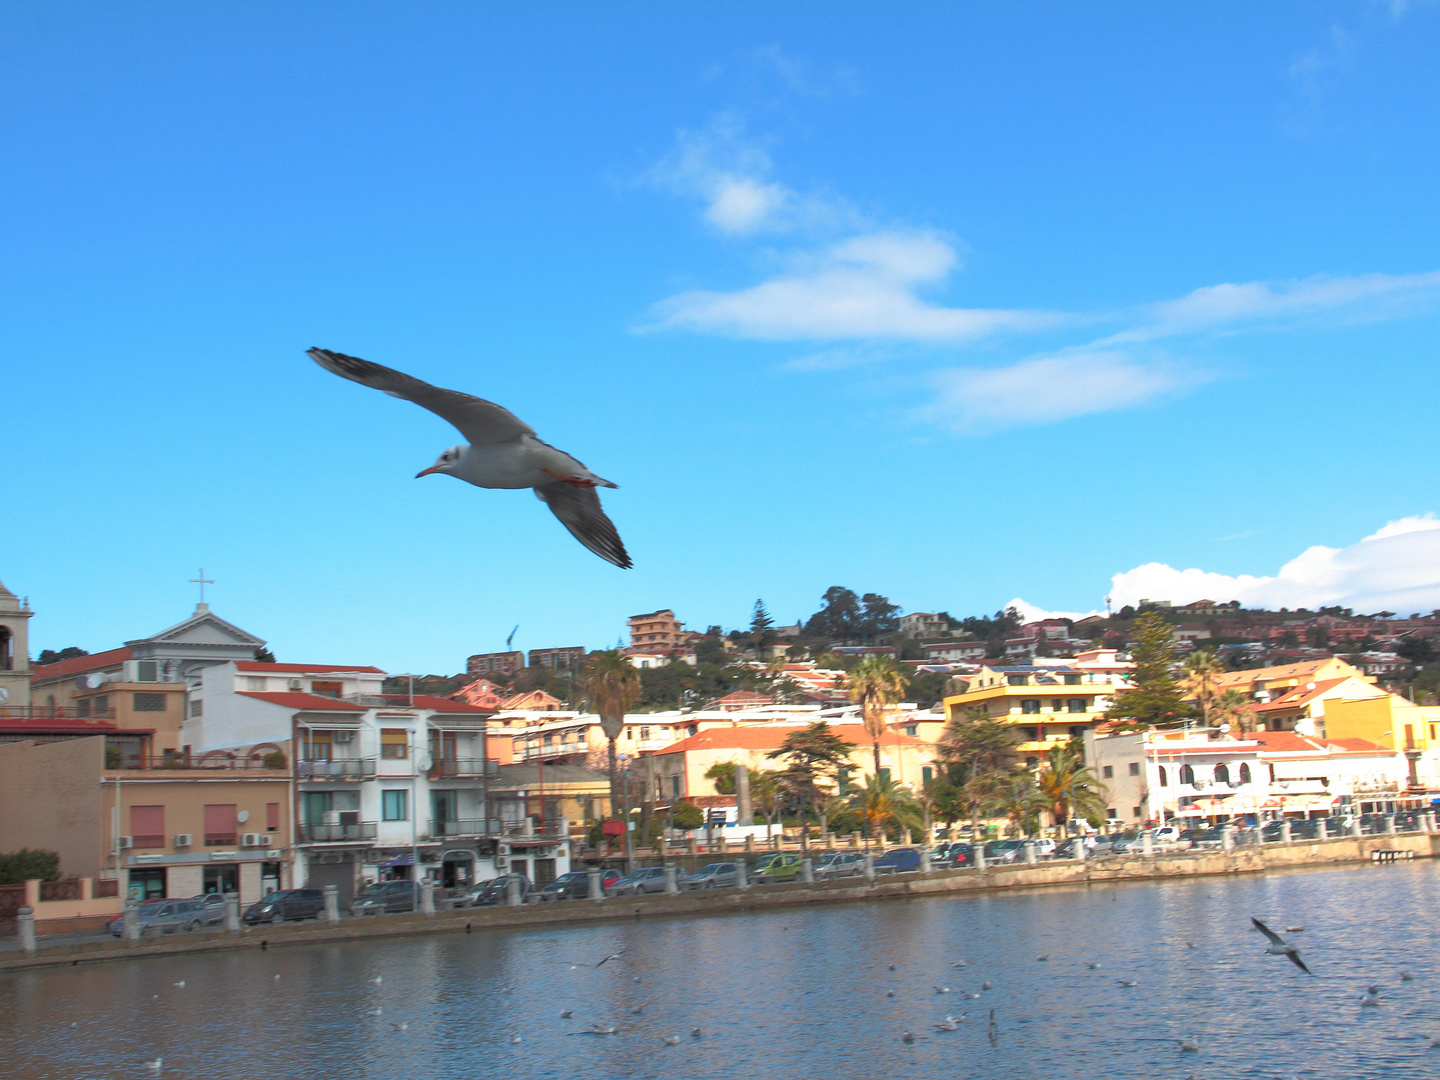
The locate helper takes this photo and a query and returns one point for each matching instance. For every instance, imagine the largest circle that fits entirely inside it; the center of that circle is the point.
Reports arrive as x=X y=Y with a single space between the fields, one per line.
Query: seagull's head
x=445 y=463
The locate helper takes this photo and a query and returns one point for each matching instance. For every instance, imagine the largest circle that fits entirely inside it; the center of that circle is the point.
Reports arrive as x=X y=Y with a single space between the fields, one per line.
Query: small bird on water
x=567 y=1014
x=156 y=1065
x=503 y=452
x=671 y=1040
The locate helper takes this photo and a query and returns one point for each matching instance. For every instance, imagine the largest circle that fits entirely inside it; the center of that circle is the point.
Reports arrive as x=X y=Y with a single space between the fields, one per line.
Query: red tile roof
x=770 y=738
x=1288 y=742
x=308 y=702
x=55 y=725
x=446 y=705
x=78 y=664
x=304 y=669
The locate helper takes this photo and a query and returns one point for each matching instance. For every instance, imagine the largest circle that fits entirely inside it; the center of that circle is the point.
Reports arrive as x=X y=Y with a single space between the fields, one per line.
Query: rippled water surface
x=796 y=994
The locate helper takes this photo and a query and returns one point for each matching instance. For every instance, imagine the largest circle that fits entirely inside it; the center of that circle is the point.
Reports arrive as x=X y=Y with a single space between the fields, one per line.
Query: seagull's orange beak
x=427 y=472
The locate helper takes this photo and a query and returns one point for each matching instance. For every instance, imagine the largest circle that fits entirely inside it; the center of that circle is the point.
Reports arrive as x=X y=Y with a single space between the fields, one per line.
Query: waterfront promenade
x=1243 y=860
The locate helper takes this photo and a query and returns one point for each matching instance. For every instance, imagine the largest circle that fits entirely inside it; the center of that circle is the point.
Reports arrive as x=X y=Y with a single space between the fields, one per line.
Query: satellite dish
x=424 y=760
x=243 y=816
x=93 y=680
x=1224 y=727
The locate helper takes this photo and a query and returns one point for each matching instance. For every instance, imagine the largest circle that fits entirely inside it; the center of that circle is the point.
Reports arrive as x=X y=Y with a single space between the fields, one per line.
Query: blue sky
x=958 y=303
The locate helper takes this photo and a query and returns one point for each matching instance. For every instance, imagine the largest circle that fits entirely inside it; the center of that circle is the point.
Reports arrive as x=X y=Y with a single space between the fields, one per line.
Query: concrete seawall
x=1315 y=854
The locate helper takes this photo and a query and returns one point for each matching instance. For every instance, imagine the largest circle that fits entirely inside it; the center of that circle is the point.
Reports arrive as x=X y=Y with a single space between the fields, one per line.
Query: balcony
x=117 y=760
x=465 y=767
x=340 y=769
x=461 y=827
x=352 y=833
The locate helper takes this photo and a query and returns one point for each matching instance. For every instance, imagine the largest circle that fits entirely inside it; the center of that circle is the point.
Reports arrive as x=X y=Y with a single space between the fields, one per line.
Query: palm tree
x=1202 y=680
x=875 y=684
x=1069 y=786
x=1020 y=799
x=883 y=803
x=612 y=685
x=1234 y=708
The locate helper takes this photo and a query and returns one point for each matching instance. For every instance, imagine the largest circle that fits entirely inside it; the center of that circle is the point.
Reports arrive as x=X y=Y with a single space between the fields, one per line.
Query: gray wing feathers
x=483 y=423
x=1276 y=938
x=578 y=509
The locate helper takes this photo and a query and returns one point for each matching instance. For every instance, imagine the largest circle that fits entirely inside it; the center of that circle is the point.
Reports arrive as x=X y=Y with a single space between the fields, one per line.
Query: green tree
x=875 y=684
x=978 y=753
x=686 y=815
x=24 y=865
x=1154 y=698
x=884 y=803
x=813 y=754
x=1070 y=787
x=1234 y=708
x=51 y=656
x=612 y=685
x=723 y=775
x=762 y=629
x=1019 y=798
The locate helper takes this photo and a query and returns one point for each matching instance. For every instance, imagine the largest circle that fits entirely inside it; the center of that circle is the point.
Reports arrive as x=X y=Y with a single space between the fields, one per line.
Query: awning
x=408 y=859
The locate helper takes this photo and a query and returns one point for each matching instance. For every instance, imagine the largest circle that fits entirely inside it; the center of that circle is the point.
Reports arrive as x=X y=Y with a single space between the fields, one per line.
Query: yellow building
x=1271 y=683
x=1050 y=706
x=1395 y=723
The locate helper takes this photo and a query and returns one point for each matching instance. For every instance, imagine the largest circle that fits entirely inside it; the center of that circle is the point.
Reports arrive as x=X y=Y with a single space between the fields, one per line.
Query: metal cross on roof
x=202 y=581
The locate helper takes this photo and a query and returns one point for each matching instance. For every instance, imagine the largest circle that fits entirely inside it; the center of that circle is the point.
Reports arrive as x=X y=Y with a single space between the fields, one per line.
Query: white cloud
x=1396 y=568
x=1030 y=613
x=861 y=288
x=974 y=401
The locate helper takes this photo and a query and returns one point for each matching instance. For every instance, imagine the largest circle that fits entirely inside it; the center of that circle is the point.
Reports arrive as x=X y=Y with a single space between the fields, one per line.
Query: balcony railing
x=341 y=769
x=466 y=767
x=461 y=827
x=337 y=834
x=133 y=762
x=216 y=839
x=53 y=712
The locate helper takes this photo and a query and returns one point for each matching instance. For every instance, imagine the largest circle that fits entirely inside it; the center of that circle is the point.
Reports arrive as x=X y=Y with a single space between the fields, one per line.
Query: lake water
x=799 y=994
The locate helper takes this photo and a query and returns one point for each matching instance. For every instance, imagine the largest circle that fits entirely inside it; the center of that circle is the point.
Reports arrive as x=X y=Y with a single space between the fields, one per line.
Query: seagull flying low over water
x=503 y=452
x=1279 y=946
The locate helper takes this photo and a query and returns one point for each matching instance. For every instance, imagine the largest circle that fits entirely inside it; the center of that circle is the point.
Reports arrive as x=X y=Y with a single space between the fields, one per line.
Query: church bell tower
x=14 y=651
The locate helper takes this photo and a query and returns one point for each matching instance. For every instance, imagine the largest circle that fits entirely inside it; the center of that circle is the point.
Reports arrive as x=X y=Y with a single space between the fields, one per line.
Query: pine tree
x=762 y=628
x=1154 y=699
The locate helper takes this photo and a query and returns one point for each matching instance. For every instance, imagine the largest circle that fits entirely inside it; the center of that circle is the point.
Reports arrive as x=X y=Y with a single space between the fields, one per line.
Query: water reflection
x=797 y=994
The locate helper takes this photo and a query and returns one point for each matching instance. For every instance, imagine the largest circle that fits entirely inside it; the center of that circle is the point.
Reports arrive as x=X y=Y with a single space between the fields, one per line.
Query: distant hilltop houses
x=190 y=759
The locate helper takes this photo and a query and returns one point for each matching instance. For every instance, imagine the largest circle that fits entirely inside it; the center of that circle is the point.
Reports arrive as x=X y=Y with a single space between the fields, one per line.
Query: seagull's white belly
x=524 y=463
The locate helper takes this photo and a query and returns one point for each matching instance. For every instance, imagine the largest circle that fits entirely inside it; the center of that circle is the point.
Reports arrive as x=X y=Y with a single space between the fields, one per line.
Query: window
x=254 y=682
x=219 y=823
x=1077 y=731
x=1056 y=704
x=146 y=671
x=272 y=816
x=911 y=729
x=395 y=805
x=394 y=744
x=148 y=702
x=926 y=772
x=644 y=733
x=326 y=689
x=1222 y=773
x=1076 y=704
x=1134 y=768
x=82 y=707
x=675 y=786
x=1244 y=773
x=1164 y=776
x=197 y=708
x=1187 y=774
x=1029 y=705
x=1110 y=813
x=1072 y=680
x=1108 y=772
x=147 y=826
x=1018 y=680
x=1135 y=811
x=102 y=704
x=884 y=775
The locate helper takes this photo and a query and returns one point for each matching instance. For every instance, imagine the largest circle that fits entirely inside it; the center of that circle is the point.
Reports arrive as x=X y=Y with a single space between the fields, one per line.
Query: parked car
x=162 y=916
x=1165 y=834
x=838 y=864
x=1002 y=851
x=576 y=885
x=899 y=861
x=288 y=905
x=647 y=879
x=1066 y=848
x=492 y=891
x=776 y=867
x=1202 y=839
x=213 y=907
x=715 y=875
x=1044 y=847
x=954 y=853
x=386 y=896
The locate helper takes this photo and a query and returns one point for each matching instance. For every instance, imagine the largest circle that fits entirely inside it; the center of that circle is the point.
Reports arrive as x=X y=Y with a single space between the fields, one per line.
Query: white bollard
x=1322 y=830
x=925 y=860
x=131 y=926
x=807 y=869
x=427 y=897
x=1285 y=830
x=1227 y=838
x=1427 y=821
x=232 y=912
x=512 y=892
x=978 y=850
x=1147 y=845
x=25 y=926
x=1390 y=824
x=332 y=905
x=741 y=882
x=1080 y=852
x=869 y=866
x=672 y=887
x=597 y=893
x=1355 y=826
x=1030 y=856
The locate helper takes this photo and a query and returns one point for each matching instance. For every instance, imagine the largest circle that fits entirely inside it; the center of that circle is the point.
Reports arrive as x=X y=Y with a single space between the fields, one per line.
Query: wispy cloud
x=1042 y=390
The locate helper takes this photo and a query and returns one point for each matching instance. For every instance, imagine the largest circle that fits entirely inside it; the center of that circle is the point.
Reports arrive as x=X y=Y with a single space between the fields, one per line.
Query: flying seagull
x=503 y=452
x=1279 y=946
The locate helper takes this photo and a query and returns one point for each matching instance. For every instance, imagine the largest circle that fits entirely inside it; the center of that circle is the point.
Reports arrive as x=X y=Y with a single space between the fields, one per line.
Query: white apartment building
x=385 y=786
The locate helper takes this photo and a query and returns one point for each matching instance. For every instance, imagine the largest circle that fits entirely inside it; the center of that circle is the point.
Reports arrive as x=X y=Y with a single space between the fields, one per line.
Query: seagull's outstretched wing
x=1295 y=959
x=1271 y=934
x=578 y=509
x=483 y=423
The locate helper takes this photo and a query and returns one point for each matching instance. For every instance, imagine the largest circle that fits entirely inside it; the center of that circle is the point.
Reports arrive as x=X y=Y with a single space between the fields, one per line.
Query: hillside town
x=192 y=761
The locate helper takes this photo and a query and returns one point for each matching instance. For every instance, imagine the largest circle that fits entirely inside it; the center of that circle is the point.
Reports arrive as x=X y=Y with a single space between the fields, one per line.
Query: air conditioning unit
x=127 y=842
x=184 y=839
x=331 y=817
x=254 y=839
x=297 y=684
x=502 y=862
x=342 y=736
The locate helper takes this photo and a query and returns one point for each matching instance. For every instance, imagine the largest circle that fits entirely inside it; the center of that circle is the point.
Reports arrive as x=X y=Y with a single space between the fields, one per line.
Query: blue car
x=900 y=861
